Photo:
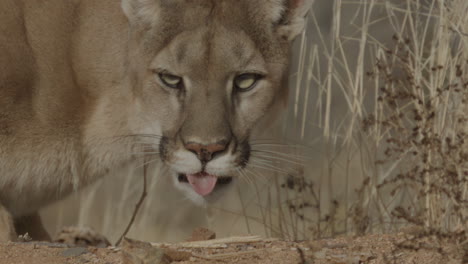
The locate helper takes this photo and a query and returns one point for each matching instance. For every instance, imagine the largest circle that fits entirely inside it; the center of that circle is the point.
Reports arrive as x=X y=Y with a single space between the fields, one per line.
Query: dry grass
x=390 y=101
x=392 y=106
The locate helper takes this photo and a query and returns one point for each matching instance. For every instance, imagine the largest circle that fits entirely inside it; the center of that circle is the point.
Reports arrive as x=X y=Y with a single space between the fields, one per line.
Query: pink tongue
x=202 y=183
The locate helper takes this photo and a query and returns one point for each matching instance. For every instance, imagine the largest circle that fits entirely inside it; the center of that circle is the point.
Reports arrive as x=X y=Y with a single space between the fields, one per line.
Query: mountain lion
x=85 y=85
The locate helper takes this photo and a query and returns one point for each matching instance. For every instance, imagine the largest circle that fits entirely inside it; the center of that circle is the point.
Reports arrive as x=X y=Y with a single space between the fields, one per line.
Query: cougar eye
x=245 y=82
x=171 y=81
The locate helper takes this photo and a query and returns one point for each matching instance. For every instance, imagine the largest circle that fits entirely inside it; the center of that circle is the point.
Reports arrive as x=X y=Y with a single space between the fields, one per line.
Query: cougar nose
x=206 y=152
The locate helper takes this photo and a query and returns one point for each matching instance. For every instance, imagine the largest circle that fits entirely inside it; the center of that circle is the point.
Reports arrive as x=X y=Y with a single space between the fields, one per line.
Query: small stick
x=227 y=255
x=217 y=243
x=138 y=205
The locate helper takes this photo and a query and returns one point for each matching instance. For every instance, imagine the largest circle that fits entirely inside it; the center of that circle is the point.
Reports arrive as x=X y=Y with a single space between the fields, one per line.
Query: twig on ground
x=217 y=243
x=227 y=255
x=138 y=205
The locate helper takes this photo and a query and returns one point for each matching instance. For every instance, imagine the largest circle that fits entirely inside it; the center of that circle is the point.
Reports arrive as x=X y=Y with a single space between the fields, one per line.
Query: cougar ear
x=140 y=11
x=292 y=19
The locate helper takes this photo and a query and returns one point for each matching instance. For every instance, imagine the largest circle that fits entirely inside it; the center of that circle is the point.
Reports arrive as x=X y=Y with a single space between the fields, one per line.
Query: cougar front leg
x=31 y=224
x=7 y=227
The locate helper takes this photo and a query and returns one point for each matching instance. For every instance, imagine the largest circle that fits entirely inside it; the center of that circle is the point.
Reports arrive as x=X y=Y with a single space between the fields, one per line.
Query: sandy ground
x=249 y=250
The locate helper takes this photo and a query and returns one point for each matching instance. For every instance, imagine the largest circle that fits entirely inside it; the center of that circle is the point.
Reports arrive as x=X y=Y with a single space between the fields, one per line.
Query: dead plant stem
x=138 y=205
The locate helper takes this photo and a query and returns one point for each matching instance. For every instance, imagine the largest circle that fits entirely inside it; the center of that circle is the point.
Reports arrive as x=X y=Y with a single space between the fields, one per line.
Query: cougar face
x=221 y=66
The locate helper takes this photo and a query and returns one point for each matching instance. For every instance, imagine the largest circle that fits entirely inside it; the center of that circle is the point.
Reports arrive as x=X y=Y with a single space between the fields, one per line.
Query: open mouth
x=204 y=183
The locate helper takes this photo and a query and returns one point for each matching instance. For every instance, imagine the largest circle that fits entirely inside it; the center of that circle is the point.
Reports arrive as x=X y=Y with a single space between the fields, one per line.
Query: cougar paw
x=81 y=236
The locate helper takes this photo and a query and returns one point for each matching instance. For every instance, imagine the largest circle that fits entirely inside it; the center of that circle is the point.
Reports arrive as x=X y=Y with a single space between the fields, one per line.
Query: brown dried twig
x=138 y=205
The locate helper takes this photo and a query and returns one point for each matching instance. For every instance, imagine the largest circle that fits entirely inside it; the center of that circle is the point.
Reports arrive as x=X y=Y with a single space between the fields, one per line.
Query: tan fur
x=77 y=78
x=7 y=228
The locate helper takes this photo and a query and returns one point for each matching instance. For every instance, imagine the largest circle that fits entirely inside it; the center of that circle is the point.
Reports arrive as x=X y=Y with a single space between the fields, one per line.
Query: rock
x=47 y=244
x=137 y=252
x=177 y=255
x=201 y=233
x=74 y=252
x=24 y=238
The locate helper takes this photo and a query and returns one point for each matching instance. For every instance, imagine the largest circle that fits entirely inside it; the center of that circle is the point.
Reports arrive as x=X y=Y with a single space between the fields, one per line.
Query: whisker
x=268 y=167
x=266 y=140
x=245 y=177
x=156 y=144
x=283 y=145
x=261 y=161
x=147 y=143
x=145 y=153
x=130 y=136
x=269 y=162
x=261 y=176
x=252 y=179
x=273 y=158
x=295 y=156
x=143 y=135
x=278 y=163
x=144 y=148
x=147 y=163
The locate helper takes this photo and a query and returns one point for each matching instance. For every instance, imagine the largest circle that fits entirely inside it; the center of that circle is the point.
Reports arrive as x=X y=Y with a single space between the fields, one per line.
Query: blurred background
x=373 y=138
